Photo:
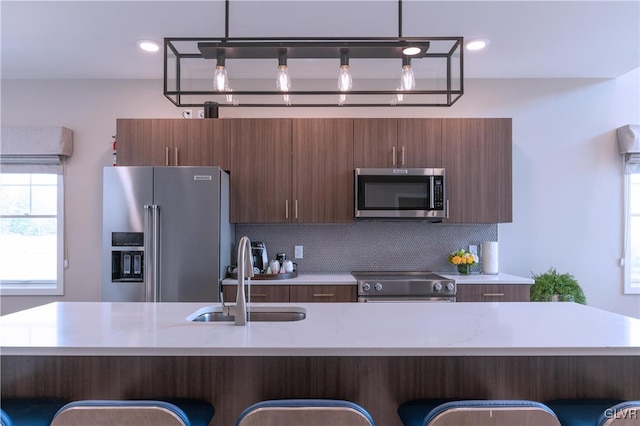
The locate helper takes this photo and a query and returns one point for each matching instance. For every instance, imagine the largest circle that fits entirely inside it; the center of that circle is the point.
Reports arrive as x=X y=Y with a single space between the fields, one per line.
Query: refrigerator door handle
x=152 y=250
x=155 y=283
x=150 y=261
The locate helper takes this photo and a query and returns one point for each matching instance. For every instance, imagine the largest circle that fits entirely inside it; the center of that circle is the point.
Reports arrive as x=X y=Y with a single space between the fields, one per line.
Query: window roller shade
x=35 y=149
x=629 y=144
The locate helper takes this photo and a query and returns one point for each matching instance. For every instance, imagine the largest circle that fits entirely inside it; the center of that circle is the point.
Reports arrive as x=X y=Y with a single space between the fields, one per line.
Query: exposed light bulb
x=345 y=82
x=283 y=82
x=407 y=80
x=220 y=80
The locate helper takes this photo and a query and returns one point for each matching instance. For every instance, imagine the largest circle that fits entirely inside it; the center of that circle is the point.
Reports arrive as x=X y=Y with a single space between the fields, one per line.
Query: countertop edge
x=348 y=279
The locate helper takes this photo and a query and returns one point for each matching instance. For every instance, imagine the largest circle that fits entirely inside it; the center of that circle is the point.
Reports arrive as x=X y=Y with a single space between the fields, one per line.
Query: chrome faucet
x=245 y=270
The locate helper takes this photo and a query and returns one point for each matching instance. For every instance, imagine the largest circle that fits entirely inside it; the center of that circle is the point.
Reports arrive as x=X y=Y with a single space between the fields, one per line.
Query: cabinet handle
x=296 y=208
x=258 y=295
x=393 y=156
x=402 y=164
x=286 y=209
x=166 y=155
x=177 y=163
x=323 y=295
x=447 y=207
x=492 y=294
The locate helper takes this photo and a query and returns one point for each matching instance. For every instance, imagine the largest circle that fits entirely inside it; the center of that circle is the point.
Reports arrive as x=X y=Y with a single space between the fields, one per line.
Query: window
x=31 y=234
x=632 y=245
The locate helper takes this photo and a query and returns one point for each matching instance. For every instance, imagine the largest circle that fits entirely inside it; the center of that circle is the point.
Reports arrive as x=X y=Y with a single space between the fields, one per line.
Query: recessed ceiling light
x=411 y=51
x=476 y=44
x=149 y=45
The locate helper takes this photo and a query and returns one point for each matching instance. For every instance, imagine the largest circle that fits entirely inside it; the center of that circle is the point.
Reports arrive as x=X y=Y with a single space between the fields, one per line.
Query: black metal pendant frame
x=177 y=50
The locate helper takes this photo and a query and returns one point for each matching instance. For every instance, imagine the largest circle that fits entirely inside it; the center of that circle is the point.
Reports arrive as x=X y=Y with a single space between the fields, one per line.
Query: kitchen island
x=375 y=354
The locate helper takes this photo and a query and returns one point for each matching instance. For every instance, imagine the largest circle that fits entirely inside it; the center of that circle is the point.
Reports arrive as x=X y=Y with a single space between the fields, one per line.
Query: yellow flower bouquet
x=463 y=260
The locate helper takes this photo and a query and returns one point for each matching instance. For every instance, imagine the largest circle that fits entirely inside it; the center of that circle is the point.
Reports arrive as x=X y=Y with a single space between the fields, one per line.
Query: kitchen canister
x=490 y=257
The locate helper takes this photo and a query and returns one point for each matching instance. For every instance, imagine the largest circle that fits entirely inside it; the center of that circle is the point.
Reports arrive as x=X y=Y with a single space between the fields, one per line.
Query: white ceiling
x=528 y=39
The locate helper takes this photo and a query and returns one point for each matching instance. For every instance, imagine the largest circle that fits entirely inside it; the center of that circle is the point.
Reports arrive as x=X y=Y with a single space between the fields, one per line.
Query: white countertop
x=330 y=329
x=348 y=279
x=303 y=279
x=488 y=279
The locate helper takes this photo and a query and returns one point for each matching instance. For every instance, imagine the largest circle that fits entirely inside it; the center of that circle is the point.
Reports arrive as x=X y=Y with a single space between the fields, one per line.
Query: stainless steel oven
x=404 y=287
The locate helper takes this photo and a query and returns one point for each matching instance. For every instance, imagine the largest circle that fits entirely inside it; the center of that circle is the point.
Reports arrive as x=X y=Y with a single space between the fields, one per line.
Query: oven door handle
x=406 y=299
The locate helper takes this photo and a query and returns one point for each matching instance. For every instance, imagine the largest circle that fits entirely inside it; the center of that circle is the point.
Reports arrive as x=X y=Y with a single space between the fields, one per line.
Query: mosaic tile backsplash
x=370 y=246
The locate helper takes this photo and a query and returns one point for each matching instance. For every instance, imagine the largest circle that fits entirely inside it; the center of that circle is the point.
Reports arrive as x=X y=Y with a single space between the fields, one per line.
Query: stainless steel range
x=404 y=287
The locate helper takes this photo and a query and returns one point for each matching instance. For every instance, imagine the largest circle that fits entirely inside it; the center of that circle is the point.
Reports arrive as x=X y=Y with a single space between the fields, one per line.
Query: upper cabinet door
x=477 y=157
x=323 y=176
x=375 y=142
x=142 y=142
x=419 y=142
x=172 y=142
x=260 y=170
x=201 y=143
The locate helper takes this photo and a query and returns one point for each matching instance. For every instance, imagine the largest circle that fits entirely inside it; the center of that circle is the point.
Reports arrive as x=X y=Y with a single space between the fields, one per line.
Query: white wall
x=567 y=179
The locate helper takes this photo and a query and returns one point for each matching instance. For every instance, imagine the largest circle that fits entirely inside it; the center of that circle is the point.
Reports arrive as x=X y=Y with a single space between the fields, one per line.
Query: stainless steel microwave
x=400 y=193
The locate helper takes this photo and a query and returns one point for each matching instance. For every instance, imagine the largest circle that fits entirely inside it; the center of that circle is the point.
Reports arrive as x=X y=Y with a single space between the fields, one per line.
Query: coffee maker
x=259 y=254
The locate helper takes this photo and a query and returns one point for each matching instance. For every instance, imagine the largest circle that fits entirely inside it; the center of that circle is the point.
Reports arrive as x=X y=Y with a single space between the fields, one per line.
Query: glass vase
x=464 y=269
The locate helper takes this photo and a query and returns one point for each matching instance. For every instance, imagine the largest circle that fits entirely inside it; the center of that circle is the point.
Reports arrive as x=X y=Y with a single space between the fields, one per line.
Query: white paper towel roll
x=490 y=257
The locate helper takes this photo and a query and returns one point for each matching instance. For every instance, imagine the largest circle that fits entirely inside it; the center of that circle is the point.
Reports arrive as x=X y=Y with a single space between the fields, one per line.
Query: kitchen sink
x=256 y=314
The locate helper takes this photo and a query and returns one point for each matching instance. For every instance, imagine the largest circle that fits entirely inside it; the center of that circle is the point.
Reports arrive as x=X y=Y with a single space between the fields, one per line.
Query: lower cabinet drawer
x=259 y=293
x=322 y=293
x=492 y=293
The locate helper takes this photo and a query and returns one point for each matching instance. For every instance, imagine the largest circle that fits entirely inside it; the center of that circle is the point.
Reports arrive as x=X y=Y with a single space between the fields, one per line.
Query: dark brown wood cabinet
x=322 y=162
x=294 y=293
x=260 y=170
x=492 y=293
x=172 y=142
x=323 y=293
x=301 y=170
x=259 y=293
x=291 y=170
x=477 y=158
x=404 y=142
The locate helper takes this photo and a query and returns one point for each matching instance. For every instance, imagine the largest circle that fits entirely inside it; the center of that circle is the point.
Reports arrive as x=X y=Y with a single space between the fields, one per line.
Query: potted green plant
x=552 y=286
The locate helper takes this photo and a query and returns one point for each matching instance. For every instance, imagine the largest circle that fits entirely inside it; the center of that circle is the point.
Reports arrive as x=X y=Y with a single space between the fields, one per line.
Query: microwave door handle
x=431 y=195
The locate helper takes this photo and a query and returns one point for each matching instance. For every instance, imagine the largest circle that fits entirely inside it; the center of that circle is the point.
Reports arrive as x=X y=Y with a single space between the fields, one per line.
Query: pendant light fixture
x=220 y=79
x=408 y=79
x=283 y=81
x=345 y=81
x=438 y=66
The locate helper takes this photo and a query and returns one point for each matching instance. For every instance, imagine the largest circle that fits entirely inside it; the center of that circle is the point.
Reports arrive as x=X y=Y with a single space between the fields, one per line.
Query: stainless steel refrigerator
x=166 y=233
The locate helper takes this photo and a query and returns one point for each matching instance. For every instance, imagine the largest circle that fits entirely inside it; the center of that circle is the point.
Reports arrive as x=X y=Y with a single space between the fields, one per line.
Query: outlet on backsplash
x=298 y=252
x=473 y=249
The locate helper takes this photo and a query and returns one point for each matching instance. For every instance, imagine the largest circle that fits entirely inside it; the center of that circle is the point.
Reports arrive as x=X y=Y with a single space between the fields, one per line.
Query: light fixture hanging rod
x=399 y=18
x=226 y=19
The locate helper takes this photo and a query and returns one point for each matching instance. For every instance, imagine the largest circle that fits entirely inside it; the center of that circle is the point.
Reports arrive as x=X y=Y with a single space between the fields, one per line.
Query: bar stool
x=175 y=412
x=476 y=413
x=29 y=411
x=305 y=412
x=5 y=420
x=581 y=412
